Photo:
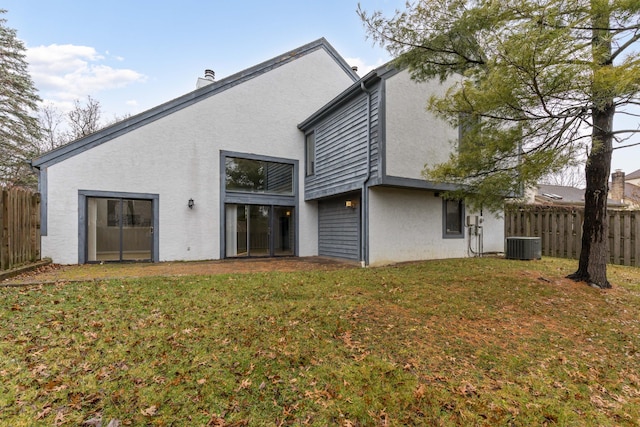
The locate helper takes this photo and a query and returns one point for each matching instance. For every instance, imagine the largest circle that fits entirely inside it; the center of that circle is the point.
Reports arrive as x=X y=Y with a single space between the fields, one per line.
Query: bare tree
x=84 y=119
x=51 y=122
x=59 y=128
x=571 y=175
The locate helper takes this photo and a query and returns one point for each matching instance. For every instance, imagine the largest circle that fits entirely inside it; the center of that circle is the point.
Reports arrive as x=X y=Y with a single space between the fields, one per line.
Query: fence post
x=35 y=227
x=562 y=236
x=636 y=238
x=614 y=237
x=626 y=238
x=4 y=229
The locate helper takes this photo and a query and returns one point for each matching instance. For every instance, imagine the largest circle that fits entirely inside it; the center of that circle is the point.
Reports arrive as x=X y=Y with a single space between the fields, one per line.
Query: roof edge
x=382 y=72
x=131 y=123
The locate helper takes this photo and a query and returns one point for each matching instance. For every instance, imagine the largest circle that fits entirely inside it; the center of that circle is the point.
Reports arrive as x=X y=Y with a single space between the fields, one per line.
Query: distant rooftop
x=633 y=175
x=562 y=195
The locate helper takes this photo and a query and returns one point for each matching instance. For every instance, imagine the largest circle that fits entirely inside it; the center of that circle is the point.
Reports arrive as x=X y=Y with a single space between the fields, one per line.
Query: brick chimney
x=617 y=186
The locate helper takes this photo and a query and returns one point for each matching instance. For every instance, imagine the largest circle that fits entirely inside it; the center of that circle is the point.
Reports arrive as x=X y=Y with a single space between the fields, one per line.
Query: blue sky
x=132 y=55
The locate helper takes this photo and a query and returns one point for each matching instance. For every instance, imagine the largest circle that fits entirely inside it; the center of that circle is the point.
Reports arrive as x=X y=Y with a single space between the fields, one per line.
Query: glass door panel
x=236 y=231
x=259 y=230
x=137 y=230
x=283 y=231
x=119 y=229
x=103 y=229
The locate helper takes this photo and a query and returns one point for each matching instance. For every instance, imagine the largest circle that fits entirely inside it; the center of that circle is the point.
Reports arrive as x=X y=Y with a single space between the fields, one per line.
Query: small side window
x=453 y=214
x=467 y=123
x=311 y=153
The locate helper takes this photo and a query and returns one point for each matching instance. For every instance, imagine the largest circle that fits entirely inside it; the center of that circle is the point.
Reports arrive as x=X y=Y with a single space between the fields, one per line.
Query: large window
x=258 y=176
x=453 y=214
x=311 y=153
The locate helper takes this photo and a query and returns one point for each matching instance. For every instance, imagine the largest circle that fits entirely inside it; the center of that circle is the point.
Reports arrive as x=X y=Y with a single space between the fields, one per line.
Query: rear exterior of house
x=293 y=157
x=123 y=193
x=367 y=150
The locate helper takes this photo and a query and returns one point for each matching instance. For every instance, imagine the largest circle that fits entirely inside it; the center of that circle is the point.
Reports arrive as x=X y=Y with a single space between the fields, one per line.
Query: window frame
x=310 y=154
x=245 y=198
x=261 y=162
x=446 y=232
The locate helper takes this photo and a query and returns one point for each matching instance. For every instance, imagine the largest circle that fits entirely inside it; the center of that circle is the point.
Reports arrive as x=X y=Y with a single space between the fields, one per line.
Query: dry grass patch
x=456 y=342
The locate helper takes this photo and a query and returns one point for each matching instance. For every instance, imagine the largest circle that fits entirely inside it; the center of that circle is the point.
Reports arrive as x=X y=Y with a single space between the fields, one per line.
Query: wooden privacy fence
x=560 y=231
x=20 y=227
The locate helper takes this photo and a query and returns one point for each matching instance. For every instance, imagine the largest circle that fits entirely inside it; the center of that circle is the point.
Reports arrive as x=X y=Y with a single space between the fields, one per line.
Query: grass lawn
x=457 y=342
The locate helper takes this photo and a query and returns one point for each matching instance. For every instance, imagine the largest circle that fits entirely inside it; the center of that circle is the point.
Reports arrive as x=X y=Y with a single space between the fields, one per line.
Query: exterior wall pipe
x=364 y=209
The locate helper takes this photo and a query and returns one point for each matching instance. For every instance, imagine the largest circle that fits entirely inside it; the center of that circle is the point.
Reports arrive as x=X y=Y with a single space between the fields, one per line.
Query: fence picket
x=614 y=238
x=626 y=242
x=635 y=242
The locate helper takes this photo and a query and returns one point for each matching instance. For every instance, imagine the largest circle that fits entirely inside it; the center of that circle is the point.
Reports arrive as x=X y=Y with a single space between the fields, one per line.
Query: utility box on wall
x=524 y=248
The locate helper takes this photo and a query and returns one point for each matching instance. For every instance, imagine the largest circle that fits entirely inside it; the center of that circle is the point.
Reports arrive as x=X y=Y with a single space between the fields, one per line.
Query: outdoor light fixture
x=190 y=204
x=350 y=204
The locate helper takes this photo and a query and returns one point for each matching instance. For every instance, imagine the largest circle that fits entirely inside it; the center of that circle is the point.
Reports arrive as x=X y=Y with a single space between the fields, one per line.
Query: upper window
x=466 y=124
x=258 y=176
x=453 y=212
x=311 y=153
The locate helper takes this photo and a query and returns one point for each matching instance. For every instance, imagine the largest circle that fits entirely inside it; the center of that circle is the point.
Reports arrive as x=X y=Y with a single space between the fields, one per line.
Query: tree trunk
x=592 y=267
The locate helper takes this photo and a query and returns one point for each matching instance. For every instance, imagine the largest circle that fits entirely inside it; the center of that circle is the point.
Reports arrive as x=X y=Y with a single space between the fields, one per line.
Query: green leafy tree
x=19 y=130
x=537 y=83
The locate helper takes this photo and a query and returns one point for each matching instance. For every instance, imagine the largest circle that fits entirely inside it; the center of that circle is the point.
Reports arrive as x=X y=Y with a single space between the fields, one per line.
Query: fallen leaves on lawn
x=150 y=411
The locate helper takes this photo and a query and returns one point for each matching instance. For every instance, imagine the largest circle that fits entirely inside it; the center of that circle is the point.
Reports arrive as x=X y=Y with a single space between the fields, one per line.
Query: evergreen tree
x=19 y=130
x=536 y=82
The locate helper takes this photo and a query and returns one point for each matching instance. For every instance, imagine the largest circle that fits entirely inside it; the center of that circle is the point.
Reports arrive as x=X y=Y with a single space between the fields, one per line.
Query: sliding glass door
x=259 y=231
x=119 y=229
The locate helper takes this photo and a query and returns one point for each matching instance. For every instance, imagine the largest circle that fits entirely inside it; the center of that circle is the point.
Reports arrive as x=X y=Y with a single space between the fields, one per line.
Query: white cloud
x=363 y=67
x=63 y=73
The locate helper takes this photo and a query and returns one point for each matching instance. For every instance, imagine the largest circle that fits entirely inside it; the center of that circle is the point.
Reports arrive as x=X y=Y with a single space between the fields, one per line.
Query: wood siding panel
x=341 y=149
x=339 y=229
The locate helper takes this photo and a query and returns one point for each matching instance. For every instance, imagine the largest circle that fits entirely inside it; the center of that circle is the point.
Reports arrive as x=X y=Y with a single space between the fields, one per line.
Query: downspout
x=364 y=209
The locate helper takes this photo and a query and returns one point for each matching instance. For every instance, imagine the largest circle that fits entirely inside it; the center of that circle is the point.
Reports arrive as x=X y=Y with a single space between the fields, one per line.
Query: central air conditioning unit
x=524 y=248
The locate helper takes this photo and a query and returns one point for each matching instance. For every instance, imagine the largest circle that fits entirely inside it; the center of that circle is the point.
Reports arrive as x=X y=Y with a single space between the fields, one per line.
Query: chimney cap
x=209 y=74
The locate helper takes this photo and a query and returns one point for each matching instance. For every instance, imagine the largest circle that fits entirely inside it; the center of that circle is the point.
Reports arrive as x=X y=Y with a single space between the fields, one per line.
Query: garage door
x=339 y=228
